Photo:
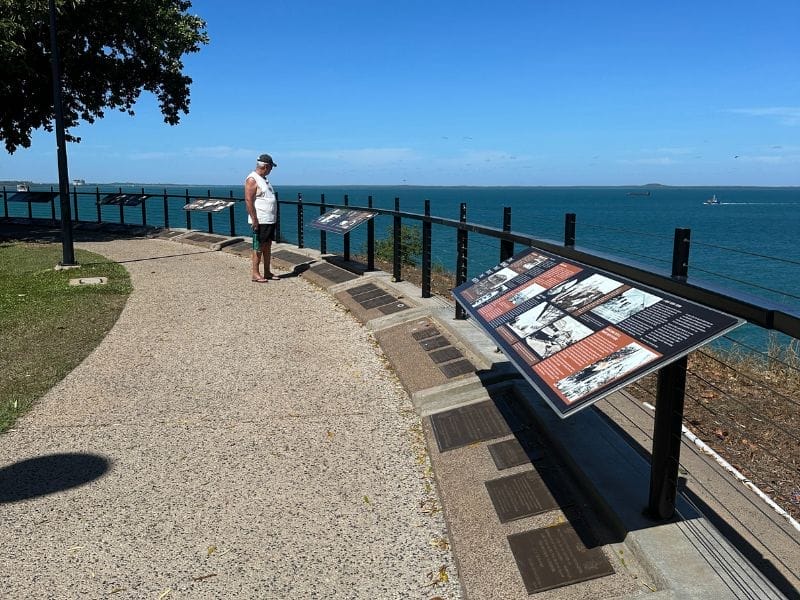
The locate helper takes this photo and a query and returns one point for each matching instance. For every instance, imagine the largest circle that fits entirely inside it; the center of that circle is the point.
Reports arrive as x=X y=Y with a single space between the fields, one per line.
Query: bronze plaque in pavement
x=360 y=289
x=426 y=333
x=507 y=454
x=293 y=258
x=454 y=369
x=468 y=424
x=518 y=496
x=445 y=354
x=377 y=301
x=432 y=343
x=512 y=453
x=369 y=295
x=554 y=557
x=205 y=238
x=389 y=309
x=334 y=274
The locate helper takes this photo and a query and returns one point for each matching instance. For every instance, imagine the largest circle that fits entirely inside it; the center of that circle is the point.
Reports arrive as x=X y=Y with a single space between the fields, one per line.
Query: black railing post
x=506 y=246
x=396 y=234
x=75 y=203
x=166 y=210
x=30 y=210
x=426 y=252
x=53 y=204
x=231 y=215
x=210 y=222
x=462 y=241
x=144 y=210
x=5 y=202
x=323 y=235
x=299 y=220
x=188 y=213
x=97 y=203
x=667 y=427
x=277 y=219
x=569 y=230
x=121 y=209
x=346 y=236
x=680 y=254
x=370 y=239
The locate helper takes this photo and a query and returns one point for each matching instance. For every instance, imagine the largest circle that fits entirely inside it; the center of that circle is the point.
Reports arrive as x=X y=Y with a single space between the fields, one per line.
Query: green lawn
x=47 y=327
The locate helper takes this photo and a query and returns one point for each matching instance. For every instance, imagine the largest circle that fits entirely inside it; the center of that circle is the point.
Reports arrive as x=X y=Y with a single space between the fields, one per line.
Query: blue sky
x=528 y=92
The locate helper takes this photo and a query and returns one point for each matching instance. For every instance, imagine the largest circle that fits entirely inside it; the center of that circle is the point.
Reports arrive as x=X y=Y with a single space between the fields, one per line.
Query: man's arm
x=250 y=189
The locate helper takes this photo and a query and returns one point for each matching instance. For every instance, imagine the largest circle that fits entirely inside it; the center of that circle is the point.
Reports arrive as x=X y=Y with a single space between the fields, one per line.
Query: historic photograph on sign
x=628 y=303
x=605 y=370
x=580 y=293
x=556 y=336
x=535 y=319
x=490 y=287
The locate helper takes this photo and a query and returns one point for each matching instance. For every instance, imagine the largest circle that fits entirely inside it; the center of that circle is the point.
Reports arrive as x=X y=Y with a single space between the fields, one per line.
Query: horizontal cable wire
x=748 y=410
x=763 y=354
x=626 y=252
x=746 y=252
x=620 y=230
x=730 y=421
x=754 y=285
x=748 y=377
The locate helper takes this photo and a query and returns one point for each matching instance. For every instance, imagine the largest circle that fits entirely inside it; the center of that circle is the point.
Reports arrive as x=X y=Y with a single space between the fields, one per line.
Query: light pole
x=68 y=252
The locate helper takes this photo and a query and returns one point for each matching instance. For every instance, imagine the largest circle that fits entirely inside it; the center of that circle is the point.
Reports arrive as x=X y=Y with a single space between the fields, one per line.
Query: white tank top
x=265 y=203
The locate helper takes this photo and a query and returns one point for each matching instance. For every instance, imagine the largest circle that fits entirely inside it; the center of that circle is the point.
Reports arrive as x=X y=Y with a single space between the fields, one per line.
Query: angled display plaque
x=577 y=333
x=37 y=197
x=123 y=199
x=208 y=204
x=341 y=220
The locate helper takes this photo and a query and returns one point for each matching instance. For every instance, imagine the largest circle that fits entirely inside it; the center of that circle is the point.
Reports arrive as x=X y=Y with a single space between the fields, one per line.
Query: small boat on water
x=23 y=187
x=78 y=182
x=712 y=200
x=638 y=193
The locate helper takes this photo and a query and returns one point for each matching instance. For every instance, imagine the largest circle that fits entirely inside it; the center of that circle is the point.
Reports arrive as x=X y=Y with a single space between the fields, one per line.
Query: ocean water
x=746 y=243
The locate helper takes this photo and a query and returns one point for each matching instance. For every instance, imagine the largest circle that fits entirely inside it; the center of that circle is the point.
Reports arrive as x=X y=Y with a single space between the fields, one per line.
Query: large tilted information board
x=341 y=220
x=577 y=333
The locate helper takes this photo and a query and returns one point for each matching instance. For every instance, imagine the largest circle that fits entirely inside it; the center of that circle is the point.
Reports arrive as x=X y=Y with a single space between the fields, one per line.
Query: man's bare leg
x=255 y=260
x=266 y=250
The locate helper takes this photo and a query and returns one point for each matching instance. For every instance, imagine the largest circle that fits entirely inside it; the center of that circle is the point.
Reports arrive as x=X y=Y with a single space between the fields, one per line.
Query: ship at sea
x=712 y=200
x=638 y=193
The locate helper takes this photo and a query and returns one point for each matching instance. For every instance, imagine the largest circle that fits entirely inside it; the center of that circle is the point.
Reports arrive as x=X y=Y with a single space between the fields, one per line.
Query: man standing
x=262 y=212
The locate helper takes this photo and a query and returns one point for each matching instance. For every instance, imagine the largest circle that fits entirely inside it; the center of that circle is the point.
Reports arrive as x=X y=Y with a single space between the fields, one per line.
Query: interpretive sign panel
x=32 y=196
x=341 y=220
x=208 y=204
x=576 y=333
x=123 y=199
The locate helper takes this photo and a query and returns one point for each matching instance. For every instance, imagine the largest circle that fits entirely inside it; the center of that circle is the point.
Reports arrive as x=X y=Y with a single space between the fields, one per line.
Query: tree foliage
x=109 y=50
x=410 y=245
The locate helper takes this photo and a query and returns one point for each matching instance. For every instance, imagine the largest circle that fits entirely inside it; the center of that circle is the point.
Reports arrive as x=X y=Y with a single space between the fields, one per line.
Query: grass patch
x=47 y=327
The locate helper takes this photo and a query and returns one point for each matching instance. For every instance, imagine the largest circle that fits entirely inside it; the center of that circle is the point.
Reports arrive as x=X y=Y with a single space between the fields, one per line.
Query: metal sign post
x=68 y=254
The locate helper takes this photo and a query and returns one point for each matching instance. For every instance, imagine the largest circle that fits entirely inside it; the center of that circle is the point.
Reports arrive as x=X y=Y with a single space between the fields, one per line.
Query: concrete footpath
x=334 y=435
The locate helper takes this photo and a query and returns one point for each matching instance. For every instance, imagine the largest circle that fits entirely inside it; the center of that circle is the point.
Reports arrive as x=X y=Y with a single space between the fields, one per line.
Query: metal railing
x=671 y=379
